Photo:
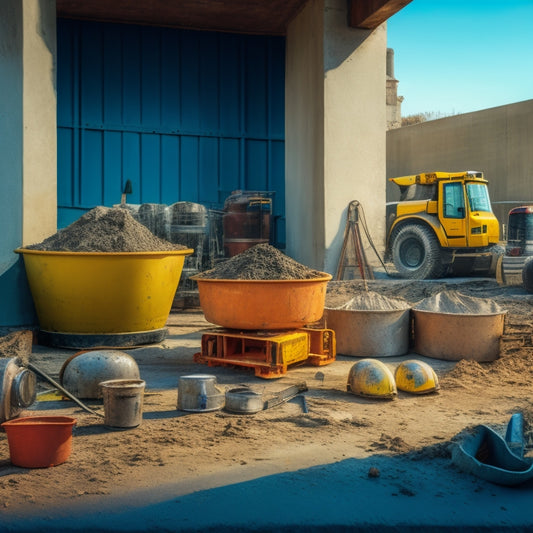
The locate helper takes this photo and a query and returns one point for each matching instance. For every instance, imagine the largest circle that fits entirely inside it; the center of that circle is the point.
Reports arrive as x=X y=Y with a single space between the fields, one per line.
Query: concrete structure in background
x=496 y=141
x=394 y=102
x=28 y=192
x=335 y=124
x=334 y=132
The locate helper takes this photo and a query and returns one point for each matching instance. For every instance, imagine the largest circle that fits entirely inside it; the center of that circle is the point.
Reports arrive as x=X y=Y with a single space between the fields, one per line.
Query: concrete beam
x=369 y=14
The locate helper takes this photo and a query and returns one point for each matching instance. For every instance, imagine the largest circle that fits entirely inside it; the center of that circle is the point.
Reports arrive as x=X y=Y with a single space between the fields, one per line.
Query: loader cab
x=466 y=214
x=452 y=212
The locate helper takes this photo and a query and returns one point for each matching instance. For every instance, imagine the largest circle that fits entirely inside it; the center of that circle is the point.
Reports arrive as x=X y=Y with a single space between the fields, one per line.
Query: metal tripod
x=352 y=235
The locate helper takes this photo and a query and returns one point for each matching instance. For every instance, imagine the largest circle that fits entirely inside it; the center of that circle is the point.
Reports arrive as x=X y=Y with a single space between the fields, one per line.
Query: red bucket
x=39 y=441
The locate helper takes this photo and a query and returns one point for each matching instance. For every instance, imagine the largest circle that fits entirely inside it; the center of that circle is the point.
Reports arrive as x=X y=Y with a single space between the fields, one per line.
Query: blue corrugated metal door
x=185 y=115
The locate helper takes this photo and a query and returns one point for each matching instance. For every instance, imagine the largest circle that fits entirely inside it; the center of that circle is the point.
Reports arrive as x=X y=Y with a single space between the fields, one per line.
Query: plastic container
x=374 y=333
x=103 y=292
x=123 y=402
x=39 y=441
x=263 y=304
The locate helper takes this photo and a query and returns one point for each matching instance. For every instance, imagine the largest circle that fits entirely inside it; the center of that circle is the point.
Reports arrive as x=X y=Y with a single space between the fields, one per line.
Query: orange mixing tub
x=263 y=304
x=39 y=441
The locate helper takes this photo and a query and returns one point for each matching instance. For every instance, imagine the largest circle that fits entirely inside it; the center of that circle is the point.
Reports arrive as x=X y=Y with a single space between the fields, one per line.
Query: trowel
x=128 y=189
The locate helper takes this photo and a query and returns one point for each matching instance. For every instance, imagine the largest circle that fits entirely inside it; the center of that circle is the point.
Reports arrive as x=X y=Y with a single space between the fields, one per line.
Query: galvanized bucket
x=243 y=400
x=199 y=393
x=123 y=402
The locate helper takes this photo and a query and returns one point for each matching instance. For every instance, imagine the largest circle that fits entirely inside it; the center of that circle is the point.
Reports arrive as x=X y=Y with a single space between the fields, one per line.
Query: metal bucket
x=244 y=400
x=199 y=393
x=379 y=333
x=454 y=337
x=123 y=402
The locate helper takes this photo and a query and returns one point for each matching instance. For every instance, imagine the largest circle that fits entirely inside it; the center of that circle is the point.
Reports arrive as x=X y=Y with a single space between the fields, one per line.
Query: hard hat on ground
x=416 y=377
x=372 y=379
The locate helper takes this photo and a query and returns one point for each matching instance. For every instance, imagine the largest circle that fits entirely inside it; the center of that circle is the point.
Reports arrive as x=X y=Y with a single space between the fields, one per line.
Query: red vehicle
x=519 y=246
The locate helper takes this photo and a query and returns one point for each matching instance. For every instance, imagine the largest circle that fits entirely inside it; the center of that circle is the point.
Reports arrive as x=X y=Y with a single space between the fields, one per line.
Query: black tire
x=416 y=253
x=527 y=275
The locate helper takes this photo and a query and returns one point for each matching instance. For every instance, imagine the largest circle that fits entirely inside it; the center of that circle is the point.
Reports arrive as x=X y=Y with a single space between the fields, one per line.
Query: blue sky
x=458 y=56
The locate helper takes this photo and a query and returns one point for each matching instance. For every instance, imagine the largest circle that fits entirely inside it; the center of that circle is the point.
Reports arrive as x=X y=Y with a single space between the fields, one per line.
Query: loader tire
x=527 y=276
x=416 y=253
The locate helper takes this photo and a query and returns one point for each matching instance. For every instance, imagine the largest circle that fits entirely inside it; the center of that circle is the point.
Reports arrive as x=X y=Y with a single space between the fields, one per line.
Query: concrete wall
x=304 y=137
x=28 y=204
x=496 y=141
x=335 y=131
x=40 y=126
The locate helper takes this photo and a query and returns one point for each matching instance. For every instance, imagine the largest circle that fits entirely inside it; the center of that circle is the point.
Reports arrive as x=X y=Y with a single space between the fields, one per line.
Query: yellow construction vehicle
x=443 y=224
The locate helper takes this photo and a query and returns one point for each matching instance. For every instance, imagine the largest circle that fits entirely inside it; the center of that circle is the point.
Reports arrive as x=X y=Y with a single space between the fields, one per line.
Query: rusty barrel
x=246 y=221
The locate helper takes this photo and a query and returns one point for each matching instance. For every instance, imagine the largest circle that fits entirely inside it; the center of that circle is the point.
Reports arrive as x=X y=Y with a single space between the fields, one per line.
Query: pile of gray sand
x=456 y=303
x=261 y=262
x=373 y=301
x=105 y=229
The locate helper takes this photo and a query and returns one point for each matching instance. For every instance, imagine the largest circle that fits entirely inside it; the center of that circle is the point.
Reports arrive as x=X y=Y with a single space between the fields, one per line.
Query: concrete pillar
x=335 y=132
x=28 y=197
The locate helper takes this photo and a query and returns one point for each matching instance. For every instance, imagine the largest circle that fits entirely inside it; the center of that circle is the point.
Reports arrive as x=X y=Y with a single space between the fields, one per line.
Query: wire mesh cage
x=185 y=223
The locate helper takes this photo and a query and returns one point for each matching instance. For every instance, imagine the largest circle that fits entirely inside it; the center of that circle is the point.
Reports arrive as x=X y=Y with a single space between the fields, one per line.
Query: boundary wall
x=497 y=141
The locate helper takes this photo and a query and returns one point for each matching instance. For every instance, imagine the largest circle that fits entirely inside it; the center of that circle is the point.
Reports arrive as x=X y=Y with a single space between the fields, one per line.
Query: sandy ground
x=201 y=451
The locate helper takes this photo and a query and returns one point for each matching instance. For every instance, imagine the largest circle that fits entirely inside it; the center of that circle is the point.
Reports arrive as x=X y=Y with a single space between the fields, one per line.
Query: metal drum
x=454 y=337
x=370 y=333
x=246 y=221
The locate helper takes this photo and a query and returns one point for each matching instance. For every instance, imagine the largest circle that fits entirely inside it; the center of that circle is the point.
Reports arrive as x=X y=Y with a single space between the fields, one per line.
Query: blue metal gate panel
x=185 y=115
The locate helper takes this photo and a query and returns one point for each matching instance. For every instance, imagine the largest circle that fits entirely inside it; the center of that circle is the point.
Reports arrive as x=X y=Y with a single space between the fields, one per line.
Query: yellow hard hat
x=416 y=377
x=372 y=379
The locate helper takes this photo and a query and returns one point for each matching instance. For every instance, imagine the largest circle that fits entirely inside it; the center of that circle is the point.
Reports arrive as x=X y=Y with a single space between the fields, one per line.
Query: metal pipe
x=63 y=390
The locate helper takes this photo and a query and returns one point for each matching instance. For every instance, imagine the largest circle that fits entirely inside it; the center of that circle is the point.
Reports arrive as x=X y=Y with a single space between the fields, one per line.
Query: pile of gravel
x=105 y=229
x=456 y=303
x=261 y=262
x=373 y=301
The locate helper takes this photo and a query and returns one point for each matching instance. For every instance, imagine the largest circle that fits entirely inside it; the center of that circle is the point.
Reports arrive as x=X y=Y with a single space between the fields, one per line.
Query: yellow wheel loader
x=443 y=224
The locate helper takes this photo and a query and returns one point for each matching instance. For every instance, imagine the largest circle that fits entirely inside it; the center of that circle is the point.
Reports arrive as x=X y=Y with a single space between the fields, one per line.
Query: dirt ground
x=171 y=444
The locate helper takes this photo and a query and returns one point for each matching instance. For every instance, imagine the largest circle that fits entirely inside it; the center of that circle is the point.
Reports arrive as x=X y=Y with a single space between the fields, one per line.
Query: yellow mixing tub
x=103 y=294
